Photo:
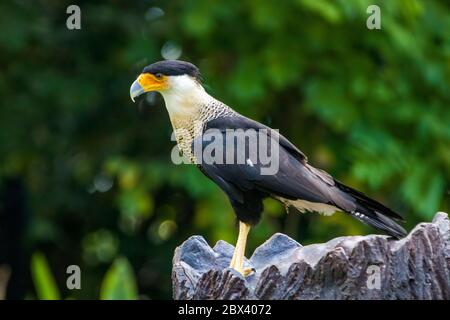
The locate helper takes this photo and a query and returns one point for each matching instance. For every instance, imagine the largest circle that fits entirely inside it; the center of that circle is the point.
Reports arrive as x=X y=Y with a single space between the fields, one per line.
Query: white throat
x=184 y=97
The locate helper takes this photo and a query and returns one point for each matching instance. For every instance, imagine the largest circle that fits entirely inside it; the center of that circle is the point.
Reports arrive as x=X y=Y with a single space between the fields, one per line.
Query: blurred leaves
x=44 y=282
x=100 y=246
x=326 y=8
x=119 y=282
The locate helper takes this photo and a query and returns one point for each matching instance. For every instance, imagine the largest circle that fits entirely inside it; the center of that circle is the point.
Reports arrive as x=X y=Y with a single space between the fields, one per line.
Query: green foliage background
x=370 y=107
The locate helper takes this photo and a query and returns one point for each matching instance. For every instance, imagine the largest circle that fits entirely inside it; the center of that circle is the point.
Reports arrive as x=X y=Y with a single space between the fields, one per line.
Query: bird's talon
x=248 y=271
x=245 y=271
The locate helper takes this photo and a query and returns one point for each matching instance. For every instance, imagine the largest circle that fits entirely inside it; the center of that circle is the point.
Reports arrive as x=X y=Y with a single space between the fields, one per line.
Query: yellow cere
x=150 y=82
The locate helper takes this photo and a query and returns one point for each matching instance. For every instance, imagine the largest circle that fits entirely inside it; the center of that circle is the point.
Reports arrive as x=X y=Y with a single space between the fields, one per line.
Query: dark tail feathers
x=374 y=213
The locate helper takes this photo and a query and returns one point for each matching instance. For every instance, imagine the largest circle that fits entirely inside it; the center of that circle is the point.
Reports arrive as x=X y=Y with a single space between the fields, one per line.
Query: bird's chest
x=186 y=129
x=188 y=122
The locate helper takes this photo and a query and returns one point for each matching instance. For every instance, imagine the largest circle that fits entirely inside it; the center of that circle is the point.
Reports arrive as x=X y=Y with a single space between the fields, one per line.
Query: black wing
x=295 y=179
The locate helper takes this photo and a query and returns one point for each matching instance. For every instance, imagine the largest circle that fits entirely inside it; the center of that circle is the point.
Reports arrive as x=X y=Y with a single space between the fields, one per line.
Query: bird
x=296 y=183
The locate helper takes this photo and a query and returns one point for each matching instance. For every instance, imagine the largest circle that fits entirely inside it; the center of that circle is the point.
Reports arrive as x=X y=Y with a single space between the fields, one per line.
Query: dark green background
x=86 y=176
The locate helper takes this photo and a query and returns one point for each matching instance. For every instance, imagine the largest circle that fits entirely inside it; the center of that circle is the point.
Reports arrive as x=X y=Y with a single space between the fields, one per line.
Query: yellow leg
x=237 y=262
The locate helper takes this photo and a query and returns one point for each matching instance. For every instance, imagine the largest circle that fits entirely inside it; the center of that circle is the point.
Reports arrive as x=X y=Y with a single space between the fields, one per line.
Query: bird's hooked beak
x=136 y=90
x=147 y=82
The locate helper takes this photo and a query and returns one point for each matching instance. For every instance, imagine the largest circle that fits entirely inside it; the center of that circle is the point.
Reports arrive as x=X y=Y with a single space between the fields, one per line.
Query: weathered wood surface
x=416 y=267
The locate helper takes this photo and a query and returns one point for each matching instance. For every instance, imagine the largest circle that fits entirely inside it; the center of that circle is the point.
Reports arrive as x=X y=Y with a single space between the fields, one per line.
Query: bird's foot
x=244 y=271
x=248 y=271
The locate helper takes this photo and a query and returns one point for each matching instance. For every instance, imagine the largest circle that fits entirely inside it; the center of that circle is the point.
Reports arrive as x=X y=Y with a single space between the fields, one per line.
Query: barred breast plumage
x=187 y=128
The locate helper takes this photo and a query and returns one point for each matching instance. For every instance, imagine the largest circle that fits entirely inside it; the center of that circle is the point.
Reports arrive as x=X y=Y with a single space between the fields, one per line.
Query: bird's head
x=169 y=77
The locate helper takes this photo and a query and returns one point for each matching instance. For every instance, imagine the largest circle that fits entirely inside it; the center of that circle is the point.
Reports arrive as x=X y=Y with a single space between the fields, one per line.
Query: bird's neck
x=189 y=111
x=185 y=104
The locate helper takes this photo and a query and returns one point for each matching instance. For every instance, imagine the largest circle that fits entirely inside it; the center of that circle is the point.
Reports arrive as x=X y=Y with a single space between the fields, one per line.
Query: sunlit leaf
x=44 y=282
x=119 y=282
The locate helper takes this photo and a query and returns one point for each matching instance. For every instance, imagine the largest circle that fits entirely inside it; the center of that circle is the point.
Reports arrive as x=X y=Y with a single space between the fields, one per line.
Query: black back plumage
x=246 y=187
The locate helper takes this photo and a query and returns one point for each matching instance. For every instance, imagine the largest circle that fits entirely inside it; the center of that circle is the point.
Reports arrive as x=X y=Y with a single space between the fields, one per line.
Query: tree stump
x=354 y=267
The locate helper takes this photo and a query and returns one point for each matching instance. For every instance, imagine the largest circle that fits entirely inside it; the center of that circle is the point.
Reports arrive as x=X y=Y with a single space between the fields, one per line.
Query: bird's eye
x=158 y=76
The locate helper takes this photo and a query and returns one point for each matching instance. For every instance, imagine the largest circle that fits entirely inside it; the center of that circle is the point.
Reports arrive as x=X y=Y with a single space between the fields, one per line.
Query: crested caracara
x=194 y=113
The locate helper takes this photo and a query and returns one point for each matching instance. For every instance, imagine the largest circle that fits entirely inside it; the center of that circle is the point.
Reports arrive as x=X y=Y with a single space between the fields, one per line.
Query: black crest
x=173 y=68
